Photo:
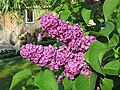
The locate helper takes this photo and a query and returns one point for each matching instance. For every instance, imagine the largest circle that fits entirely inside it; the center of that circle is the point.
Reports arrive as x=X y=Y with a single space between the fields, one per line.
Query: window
x=29 y=16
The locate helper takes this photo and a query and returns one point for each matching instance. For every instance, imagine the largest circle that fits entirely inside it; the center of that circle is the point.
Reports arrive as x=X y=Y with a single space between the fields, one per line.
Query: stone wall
x=11 y=29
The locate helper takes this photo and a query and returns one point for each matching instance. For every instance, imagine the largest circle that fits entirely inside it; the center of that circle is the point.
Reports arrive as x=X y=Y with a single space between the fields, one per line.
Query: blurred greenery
x=10 y=66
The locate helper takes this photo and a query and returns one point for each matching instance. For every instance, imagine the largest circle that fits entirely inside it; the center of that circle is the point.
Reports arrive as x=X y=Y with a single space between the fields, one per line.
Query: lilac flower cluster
x=41 y=55
x=69 y=56
x=61 y=30
x=76 y=65
x=72 y=36
x=81 y=44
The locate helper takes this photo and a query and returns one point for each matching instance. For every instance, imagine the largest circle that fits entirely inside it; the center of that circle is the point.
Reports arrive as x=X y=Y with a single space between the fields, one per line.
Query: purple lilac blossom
x=73 y=63
x=59 y=79
x=38 y=54
x=98 y=88
x=48 y=55
x=62 y=55
x=72 y=33
x=49 y=21
x=76 y=65
x=62 y=31
x=69 y=56
x=81 y=44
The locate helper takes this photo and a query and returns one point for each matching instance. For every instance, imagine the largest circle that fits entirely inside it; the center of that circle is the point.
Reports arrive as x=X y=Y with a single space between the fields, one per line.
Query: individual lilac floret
x=59 y=79
x=75 y=66
x=98 y=88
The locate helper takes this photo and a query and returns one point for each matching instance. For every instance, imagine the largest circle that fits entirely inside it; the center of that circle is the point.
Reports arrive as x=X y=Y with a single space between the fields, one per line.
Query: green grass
x=9 y=67
x=9 y=54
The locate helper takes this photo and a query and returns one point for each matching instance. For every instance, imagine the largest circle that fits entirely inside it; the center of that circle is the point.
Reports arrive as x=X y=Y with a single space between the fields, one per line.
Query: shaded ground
x=6 y=47
x=10 y=66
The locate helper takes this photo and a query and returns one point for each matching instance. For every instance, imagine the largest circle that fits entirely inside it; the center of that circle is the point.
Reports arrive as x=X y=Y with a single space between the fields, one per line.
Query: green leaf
x=112 y=68
x=76 y=9
x=65 y=14
x=57 y=44
x=62 y=1
x=23 y=88
x=113 y=41
x=19 y=77
x=68 y=84
x=93 y=56
x=46 y=80
x=56 y=3
x=107 y=30
x=29 y=81
x=73 y=88
x=107 y=84
x=87 y=56
x=49 y=1
x=82 y=83
x=86 y=15
x=118 y=23
x=108 y=8
x=92 y=81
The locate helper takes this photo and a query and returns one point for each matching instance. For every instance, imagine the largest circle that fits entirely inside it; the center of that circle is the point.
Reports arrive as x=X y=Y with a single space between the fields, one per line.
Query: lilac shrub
x=69 y=56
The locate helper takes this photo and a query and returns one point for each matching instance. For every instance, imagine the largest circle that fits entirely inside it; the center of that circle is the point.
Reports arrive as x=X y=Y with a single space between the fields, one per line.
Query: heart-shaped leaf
x=18 y=77
x=68 y=84
x=92 y=56
x=107 y=84
x=65 y=14
x=46 y=80
x=86 y=15
x=113 y=41
x=108 y=8
x=107 y=30
x=84 y=83
x=112 y=68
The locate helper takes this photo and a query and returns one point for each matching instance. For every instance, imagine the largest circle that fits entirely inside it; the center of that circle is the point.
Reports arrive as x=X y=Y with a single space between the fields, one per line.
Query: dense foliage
x=17 y=5
x=99 y=18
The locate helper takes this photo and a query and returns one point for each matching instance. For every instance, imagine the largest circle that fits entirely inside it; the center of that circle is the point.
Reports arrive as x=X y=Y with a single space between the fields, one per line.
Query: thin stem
x=108 y=56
